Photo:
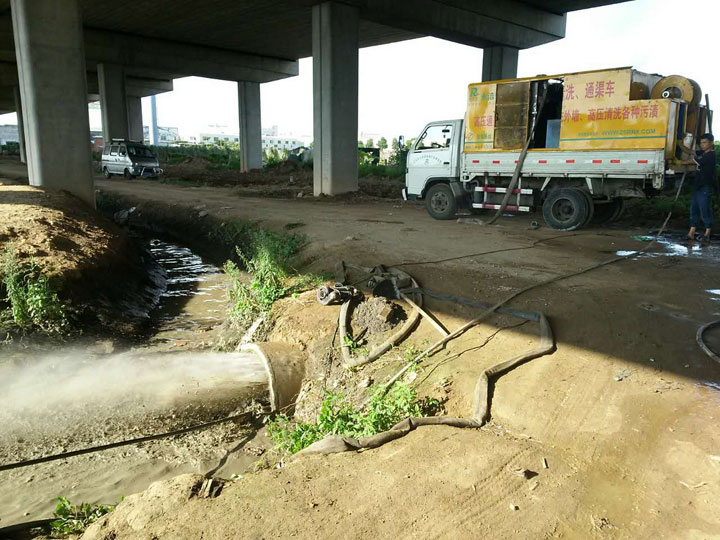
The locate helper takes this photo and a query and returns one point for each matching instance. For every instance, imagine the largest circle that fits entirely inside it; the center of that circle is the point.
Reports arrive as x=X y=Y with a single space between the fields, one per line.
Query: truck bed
x=562 y=163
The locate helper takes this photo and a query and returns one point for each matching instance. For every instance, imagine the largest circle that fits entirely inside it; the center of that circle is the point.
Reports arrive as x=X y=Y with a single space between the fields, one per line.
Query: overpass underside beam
x=335 y=98
x=49 y=47
x=250 y=136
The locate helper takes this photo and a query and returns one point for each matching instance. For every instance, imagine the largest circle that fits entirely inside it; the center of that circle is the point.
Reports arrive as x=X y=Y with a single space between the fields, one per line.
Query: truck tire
x=608 y=212
x=440 y=202
x=591 y=208
x=106 y=172
x=566 y=209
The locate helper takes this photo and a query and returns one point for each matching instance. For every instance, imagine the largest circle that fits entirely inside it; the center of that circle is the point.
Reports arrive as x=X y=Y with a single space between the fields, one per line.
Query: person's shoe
x=705 y=239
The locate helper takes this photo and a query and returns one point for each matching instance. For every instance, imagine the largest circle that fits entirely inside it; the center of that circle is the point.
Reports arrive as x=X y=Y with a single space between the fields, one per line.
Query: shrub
x=74 y=519
x=33 y=303
x=266 y=256
x=338 y=417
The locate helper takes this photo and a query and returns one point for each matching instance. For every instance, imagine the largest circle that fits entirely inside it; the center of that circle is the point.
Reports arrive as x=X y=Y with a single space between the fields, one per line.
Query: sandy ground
x=625 y=410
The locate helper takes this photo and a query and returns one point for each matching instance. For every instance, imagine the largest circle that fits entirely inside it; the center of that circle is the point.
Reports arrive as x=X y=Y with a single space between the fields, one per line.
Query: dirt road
x=627 y=407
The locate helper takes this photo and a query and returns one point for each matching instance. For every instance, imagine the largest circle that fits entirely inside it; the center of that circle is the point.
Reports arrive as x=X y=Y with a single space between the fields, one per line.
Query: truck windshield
x=140 y=151
x=435 y=137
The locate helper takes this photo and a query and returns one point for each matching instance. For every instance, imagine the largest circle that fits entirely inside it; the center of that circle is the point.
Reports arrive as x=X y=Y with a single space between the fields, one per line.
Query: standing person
x=702 y=187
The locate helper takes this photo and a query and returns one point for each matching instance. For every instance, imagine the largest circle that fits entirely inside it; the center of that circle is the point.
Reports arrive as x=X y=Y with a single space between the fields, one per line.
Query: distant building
x=271 y=131
x=268 y=142
x=280 y=143
x=167 y=136
x=365 y=136
x=8 y=133
x=217 y=138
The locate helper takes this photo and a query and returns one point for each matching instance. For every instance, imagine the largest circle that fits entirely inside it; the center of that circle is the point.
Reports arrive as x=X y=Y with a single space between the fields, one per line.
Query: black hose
x=701 y=340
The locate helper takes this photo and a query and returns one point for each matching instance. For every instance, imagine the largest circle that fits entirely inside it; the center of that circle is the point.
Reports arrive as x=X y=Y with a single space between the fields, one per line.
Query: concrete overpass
x=68 y=52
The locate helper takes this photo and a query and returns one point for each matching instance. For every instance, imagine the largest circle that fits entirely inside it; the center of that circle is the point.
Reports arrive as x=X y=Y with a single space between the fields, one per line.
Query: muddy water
x=86 y=394
x=194 y=301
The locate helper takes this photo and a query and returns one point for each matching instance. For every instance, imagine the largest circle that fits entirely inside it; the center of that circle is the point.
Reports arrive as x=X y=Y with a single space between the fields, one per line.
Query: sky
x=403 y=86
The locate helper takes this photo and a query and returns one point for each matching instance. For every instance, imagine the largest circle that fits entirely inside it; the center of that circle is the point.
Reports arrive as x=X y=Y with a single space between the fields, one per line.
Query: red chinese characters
x=484 y=121
x=609 y=88
x=600 y=89
x=569 y=92
x=595 y=90
x=590 y=90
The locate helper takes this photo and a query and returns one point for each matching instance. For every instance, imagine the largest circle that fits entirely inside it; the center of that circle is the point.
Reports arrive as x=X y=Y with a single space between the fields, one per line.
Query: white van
x=129 y=158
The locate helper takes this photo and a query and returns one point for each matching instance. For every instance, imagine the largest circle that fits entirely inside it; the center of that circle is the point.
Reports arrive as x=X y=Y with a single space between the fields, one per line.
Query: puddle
x=709 y=384
x=714 y=294
x=676 y=246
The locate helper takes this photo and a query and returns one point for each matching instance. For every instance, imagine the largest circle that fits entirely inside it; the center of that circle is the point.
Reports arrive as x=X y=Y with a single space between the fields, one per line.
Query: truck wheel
x=127 y=174
x=106 y=172
x=566 y=209
x=440 y=202
x=609 y=211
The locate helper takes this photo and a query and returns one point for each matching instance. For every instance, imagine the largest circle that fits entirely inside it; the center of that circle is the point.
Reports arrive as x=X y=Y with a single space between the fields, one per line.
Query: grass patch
x=388 y=171
x=33 y=303
x=266 y=256
x=338 y=417
x=74 y=519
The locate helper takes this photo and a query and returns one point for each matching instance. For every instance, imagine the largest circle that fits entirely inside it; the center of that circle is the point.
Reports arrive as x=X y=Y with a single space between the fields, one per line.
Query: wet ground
x=677 y=245
x=59 y=399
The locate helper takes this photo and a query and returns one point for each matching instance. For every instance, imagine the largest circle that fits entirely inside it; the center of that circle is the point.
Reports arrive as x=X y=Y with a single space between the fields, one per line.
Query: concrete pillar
x=335 y=98
x=20 y=124
x=499 y=63
x=135 y=119
x=250 y=138
x=113 y=102
x=51 y=71
x=154 y=132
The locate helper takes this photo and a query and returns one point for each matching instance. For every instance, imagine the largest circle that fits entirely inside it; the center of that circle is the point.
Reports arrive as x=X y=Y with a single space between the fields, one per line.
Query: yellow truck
x=593 y=138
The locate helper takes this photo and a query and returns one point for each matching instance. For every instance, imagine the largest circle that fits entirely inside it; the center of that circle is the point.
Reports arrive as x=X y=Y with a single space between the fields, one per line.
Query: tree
x=370 y=143
x=395 y=145
x=361 y=144
x=382 y=143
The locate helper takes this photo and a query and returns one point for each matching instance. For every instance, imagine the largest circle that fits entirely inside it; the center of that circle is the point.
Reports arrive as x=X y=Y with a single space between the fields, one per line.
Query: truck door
x=434 y=155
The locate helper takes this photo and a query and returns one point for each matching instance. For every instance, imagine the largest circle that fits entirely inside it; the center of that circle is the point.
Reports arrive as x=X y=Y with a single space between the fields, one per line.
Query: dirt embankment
x=287 y=180
x=90 y=262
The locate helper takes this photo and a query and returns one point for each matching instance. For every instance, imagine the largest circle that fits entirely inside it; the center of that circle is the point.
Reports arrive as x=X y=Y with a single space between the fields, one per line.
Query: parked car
x=131 y=159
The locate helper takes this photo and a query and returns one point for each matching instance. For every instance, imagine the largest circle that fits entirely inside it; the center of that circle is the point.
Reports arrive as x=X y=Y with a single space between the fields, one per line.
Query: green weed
x=338 y=417
x=33 y=303
x=265 y=256
x=74 y=519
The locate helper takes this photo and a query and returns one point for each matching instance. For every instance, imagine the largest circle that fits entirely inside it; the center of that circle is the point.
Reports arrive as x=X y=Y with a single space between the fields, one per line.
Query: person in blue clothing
x=702 y=187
